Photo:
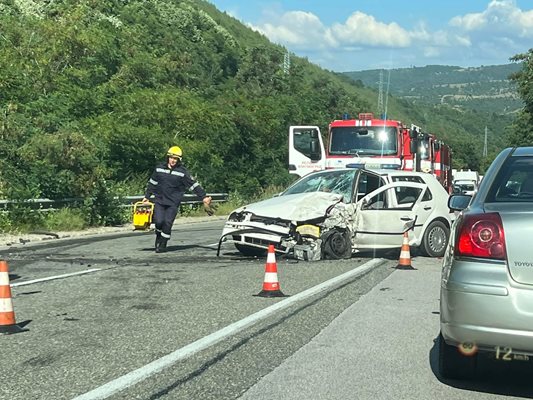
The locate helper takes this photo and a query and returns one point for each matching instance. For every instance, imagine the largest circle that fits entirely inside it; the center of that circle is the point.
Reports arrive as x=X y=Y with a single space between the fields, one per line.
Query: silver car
x=337 y=212
x=486 y=299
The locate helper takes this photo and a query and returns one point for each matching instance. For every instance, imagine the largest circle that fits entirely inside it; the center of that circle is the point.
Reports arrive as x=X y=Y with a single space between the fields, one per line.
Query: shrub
x=65 y=219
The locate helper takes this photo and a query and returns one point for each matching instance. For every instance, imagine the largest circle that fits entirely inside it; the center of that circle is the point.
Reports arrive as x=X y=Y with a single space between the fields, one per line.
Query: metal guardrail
x=126 y=201
x=187 y=198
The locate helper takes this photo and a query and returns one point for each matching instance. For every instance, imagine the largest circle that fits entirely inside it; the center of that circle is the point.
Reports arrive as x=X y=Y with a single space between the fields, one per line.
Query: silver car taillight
x=481 y=235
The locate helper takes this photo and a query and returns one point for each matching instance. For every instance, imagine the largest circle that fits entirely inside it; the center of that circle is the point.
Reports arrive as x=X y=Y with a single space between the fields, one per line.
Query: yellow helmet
x=175 y=151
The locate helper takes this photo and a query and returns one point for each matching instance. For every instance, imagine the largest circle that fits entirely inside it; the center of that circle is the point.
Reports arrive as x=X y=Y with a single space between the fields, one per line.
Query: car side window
x=428 y=196
x=377 y=202
x=303 y=139
x=367 y=183
x=406 y=196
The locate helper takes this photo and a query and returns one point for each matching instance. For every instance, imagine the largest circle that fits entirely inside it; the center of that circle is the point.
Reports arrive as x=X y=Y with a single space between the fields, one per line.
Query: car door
x=306 y=150
x=382 y=217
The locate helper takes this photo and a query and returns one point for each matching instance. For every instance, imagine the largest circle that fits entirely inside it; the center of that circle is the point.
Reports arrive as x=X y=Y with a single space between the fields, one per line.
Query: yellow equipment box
x=142 y=215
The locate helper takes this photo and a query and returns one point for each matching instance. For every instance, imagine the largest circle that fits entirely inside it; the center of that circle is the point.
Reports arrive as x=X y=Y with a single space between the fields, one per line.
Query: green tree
x=522 y=129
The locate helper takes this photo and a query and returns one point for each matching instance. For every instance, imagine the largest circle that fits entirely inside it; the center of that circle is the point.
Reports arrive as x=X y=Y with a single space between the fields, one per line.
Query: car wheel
x=454 y=365
x=337 y=244
x=250 y=251
x=435 y=239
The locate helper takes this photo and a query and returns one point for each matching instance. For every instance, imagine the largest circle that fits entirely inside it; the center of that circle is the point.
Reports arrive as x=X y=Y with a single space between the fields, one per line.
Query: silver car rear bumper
x=494 y=311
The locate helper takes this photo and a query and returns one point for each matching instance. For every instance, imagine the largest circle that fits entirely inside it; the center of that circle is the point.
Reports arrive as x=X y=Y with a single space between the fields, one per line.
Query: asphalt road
x=384 y=347
x=122 y=328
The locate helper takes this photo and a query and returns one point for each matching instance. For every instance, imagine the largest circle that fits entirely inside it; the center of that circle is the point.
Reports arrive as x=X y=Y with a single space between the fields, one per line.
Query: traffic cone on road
x=405 y=254
x=7 y=314
x=270 y=283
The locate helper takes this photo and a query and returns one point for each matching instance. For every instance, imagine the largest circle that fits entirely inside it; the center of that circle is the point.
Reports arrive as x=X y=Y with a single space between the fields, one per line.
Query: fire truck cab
x=374 y=143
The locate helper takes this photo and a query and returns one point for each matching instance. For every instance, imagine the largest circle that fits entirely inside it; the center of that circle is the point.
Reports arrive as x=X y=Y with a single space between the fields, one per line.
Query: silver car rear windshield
x=339 y=182
x=514 y=182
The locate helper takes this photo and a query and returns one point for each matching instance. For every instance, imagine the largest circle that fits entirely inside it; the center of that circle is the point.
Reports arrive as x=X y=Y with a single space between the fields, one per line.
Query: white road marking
x=155 y=366
x=50 y=278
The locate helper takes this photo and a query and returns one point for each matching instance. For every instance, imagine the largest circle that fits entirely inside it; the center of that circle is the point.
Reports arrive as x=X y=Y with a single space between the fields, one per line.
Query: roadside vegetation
x=24 y=219
x=94 y=92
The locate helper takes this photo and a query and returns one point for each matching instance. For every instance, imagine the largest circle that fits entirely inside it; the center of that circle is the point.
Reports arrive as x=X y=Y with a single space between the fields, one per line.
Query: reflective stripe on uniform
x=165 y=235
x=177 y=173
x=163 y=170
x=195 y=184
x=153 y=182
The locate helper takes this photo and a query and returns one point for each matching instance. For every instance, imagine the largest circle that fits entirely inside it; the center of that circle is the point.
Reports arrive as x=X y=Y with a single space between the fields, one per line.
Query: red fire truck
x=375 y=143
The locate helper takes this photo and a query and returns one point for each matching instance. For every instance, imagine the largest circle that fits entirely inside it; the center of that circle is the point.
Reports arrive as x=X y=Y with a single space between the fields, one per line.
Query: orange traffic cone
x=270 y=283
x=7 y=315
x=405 y=254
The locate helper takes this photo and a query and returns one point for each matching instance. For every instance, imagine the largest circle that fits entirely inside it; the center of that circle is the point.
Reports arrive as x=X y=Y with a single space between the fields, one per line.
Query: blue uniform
x=169 y=185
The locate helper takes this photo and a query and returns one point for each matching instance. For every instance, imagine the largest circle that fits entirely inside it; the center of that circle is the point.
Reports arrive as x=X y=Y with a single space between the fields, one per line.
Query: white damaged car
x=333 y=213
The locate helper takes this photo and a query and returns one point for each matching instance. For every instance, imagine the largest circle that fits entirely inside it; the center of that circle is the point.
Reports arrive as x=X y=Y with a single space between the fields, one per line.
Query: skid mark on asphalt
x=164 y=362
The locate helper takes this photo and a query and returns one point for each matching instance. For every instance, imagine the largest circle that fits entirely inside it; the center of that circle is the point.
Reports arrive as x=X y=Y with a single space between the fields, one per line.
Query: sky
x=356 y=35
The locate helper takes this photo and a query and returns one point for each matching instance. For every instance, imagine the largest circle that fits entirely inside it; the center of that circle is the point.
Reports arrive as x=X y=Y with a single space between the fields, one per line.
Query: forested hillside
x=93 y=92
x=484 y=89
x=98 y=90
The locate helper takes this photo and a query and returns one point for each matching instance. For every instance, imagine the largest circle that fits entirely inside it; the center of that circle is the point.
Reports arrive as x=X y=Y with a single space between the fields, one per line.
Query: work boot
x=163 y=245
x=158 y=242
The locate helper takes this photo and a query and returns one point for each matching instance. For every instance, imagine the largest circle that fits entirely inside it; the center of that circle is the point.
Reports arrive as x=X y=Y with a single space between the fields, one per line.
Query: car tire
x=454 y=365
x=250 y=251
x=337 y=244
x=435 y=239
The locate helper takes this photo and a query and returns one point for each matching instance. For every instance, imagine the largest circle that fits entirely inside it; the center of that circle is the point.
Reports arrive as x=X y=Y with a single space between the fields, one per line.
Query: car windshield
x=464 y=187
x=339 y=182
x=363 y=141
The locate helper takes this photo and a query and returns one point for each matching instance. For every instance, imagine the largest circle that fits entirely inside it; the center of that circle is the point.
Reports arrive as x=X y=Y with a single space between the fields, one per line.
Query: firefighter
x=168 y=183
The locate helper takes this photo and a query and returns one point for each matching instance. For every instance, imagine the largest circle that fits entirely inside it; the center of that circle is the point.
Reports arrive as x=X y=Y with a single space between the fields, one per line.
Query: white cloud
x=525 y=23
x=502 y=16
x=502 y=29
x=487 y=37
x=298 y=29
x=363 y=29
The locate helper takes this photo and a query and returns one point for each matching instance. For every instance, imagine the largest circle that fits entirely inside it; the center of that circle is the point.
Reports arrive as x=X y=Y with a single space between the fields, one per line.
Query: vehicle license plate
x=507 y=354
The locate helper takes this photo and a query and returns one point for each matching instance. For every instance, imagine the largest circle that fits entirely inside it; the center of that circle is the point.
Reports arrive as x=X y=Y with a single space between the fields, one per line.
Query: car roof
x=522 y=151
x=381 y=172
x=428 y=178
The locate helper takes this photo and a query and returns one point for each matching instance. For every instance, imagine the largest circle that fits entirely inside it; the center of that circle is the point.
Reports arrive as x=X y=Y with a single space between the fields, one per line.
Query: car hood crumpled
x=294 y=207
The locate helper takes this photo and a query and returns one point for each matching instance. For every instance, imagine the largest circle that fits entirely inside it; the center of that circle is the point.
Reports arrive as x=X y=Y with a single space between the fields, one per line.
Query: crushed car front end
x=297 y=230
x=245 y=229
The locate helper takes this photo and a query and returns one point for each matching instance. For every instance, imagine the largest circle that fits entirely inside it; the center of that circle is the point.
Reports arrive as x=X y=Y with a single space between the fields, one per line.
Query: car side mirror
x=412 y=146
x=314 y=153
x=458 y=202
